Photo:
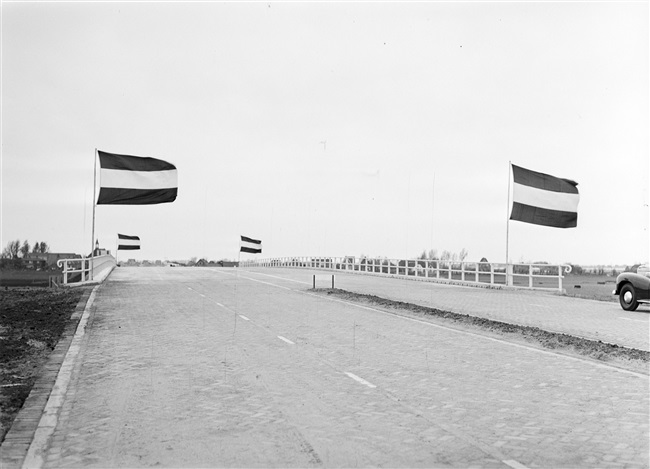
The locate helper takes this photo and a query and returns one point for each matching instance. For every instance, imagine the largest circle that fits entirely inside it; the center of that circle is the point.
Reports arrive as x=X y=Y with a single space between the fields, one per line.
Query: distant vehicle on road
x=633 y=289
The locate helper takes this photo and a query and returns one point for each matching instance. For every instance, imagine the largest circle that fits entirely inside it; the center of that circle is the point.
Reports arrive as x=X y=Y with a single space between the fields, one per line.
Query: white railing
x=529 y=276
x=85 y=269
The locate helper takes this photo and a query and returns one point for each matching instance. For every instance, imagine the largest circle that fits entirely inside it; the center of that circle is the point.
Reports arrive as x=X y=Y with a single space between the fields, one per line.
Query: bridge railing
x=528 y=276
x=85 y=269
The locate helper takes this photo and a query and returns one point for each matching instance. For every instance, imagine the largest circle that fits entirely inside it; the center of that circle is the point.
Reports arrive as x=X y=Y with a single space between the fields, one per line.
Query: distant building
x=46 y=260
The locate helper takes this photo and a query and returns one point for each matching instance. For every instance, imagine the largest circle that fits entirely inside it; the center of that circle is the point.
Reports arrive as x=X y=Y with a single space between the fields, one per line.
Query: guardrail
x=528 y=276
x=85 y=269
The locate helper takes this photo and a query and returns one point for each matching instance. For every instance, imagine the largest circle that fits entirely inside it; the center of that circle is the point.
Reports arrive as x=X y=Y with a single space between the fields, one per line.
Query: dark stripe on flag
x=254 y=246
x=117 y=196
x=543 y=181
x=130 y=242
x=132 y=163
x=543 y=216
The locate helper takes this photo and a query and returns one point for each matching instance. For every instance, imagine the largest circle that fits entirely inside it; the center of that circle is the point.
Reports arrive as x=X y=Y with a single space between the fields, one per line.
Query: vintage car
x=633 y=289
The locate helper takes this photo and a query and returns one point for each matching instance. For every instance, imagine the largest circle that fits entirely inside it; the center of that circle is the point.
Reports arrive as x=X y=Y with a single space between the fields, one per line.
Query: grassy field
x=594 y=287
x=29 y=278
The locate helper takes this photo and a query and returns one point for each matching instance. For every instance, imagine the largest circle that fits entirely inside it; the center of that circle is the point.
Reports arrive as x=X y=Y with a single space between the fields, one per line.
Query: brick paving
x=596 y=320
x=219 y=368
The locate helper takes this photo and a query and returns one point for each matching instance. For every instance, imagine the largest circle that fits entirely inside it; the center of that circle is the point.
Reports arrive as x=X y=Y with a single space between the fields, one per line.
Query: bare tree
x=463 y=254
x=12 y=250
x=24 y=249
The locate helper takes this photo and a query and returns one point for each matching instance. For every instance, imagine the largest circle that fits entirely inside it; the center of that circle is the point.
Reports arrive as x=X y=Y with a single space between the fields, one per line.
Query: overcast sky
x=331 y=129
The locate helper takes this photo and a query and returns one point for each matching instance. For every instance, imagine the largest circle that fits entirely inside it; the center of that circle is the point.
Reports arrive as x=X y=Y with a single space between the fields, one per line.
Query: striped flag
x=134 y=180
x=542 y=199
x=125 y=242
x=254 y=246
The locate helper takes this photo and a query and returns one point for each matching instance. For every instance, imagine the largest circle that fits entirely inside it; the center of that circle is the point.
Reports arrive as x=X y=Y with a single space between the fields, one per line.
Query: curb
x=21 y=434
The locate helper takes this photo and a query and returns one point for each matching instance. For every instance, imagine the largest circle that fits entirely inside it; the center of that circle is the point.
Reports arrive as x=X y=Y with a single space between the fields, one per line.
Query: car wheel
x=627 y=298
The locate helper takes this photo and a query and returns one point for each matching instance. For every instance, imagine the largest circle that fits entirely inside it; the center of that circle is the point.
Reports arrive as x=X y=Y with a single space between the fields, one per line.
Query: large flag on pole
x=254 y=246
x=125 y=242
x=542 y=199
x=134 y=180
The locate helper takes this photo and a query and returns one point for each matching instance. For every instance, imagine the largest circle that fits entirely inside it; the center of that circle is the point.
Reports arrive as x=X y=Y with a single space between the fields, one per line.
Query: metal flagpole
x=92 y=244
x=508 y=226
x=433 y=200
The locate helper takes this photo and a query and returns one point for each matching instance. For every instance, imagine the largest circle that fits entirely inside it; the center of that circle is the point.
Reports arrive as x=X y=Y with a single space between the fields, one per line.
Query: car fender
x=641 y=284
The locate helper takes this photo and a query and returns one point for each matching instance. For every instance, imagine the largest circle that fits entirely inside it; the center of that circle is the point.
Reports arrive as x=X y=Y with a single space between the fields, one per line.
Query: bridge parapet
x=486 y=274
x=85 y=270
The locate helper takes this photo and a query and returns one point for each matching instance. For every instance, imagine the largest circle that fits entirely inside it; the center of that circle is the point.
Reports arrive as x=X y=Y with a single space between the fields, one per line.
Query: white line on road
x=458 y=331
x=244 y=317
x=286 y=340
x=514 y=464
x=484 y=337
x=281 y=278
x=266 y=283
x=630 y=319
x=360 y=380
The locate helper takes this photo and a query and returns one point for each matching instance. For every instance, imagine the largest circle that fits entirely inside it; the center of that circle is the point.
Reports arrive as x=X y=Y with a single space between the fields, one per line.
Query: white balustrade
x=527 y=276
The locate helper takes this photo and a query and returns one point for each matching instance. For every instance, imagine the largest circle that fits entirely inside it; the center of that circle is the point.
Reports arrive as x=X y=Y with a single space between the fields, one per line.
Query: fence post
x=530 y=276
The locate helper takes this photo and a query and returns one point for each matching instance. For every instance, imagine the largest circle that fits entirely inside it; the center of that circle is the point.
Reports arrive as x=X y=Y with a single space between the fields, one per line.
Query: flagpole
x=433 y=200
x=508 y=224
x=92 y=243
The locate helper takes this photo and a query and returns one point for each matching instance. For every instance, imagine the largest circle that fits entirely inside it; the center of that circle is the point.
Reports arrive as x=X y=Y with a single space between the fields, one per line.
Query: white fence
x=85 y=269
x=529 y=276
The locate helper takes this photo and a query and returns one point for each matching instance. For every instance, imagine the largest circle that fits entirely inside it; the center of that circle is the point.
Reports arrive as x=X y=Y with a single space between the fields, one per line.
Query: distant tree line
x=16 y=250
x=445 y=256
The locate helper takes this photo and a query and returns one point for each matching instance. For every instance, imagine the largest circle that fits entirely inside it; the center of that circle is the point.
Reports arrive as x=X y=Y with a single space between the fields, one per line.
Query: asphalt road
x=234 y=368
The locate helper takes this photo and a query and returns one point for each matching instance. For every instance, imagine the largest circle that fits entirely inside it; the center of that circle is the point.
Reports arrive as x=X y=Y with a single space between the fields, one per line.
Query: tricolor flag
x=544 y=200
x=126 y=242
x=251 y=245
x=134 y=180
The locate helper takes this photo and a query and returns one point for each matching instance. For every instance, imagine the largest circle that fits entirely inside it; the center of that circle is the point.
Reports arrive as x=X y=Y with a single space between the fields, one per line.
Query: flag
x=542 y=199
x=251 y=245
x=126 y=242
x=134 y=180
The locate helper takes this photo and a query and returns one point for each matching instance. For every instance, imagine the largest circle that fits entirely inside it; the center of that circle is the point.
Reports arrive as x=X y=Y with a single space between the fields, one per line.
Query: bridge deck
x=226 y=368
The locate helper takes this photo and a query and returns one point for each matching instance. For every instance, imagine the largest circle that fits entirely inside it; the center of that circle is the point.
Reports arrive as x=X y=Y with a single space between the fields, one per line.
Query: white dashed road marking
x=244 y=317
x=286 y=340
x=630 y=319
x=360 y=380
x=514 y=464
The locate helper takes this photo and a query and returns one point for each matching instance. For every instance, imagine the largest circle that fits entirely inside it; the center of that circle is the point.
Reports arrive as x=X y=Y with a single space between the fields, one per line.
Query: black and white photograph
x=323 y=234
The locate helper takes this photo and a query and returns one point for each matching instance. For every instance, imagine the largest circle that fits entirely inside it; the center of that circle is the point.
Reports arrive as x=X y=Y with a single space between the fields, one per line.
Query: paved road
x=219 y=368
x=598 y=320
